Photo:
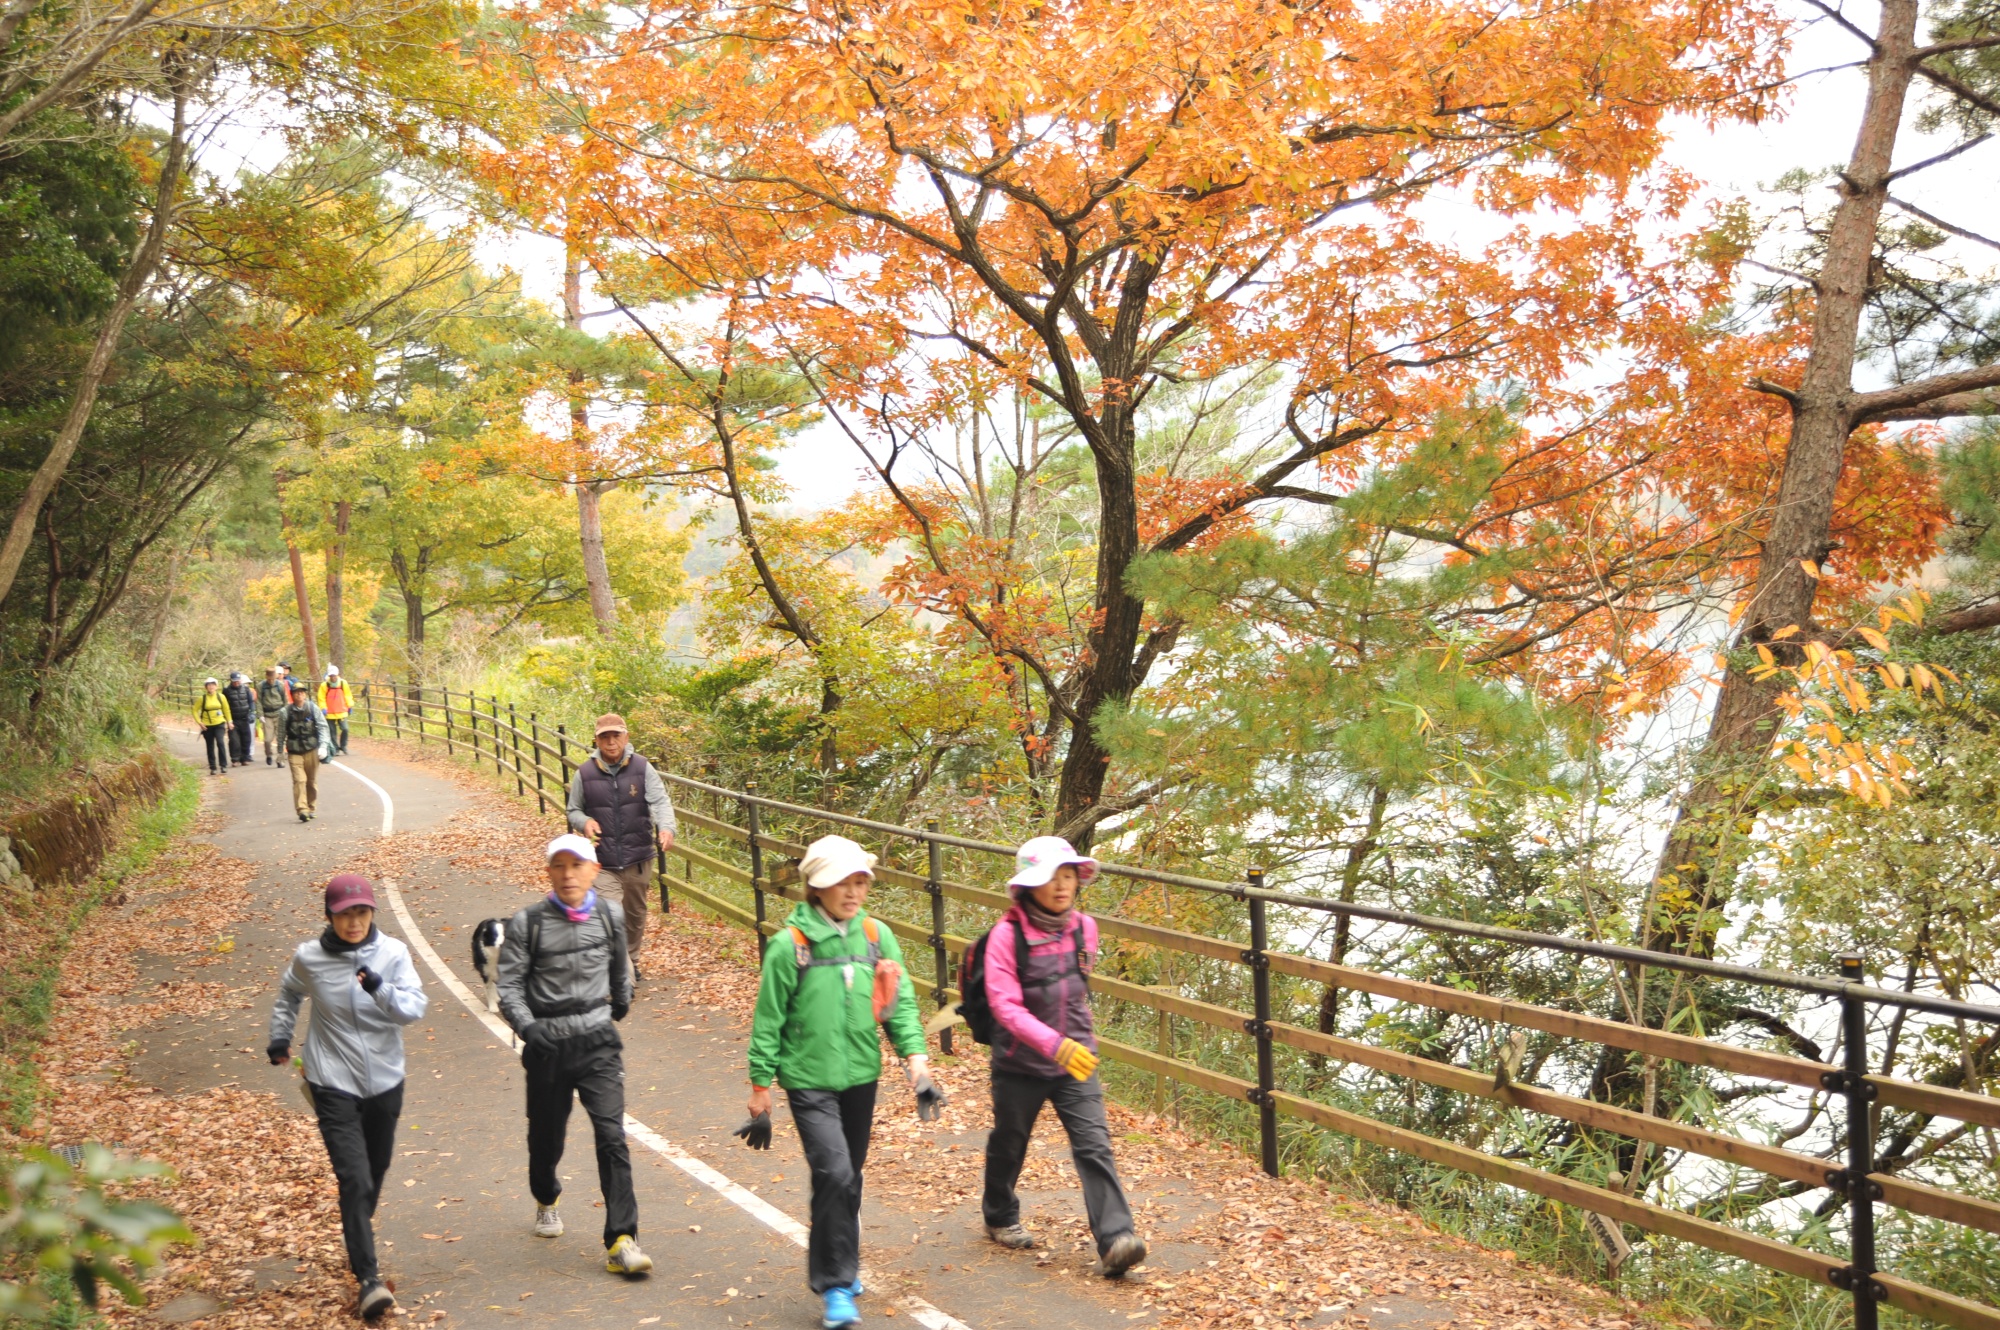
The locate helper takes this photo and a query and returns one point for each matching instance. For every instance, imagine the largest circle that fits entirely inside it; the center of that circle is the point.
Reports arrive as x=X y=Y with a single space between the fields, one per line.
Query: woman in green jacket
x=829 y=976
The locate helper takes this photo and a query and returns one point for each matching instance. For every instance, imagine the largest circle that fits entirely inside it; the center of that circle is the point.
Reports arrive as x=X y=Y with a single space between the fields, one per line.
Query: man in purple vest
x=620 y=802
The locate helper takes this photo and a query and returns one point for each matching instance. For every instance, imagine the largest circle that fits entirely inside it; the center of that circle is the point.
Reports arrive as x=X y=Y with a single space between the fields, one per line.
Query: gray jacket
x=355 y=1041
x=657 y=802
x=571 y=975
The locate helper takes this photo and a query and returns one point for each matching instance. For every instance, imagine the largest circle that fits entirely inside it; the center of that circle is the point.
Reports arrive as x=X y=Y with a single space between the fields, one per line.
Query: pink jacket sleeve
x=1003 y=992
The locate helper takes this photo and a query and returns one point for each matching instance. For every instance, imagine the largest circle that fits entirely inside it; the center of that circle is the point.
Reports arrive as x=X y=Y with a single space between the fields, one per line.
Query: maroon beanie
x=347 y=890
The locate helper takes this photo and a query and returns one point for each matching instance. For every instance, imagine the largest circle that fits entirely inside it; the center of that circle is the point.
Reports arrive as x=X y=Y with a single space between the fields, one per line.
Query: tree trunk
x=1692 y=870
x=160 y=616
x=596 y=572
x=1109 y=677
x=84 y=399
x=305 y=610
x=590 y=524
x=1358 y=855
x=336 y=556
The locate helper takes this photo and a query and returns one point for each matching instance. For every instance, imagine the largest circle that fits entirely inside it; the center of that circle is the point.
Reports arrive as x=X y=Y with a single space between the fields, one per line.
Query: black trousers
x=337 y=728
x=1017 y=1102
x=834 y=1126
x=360 y=1136
x=239 y=740
x=594 y=1074
x=215 y=741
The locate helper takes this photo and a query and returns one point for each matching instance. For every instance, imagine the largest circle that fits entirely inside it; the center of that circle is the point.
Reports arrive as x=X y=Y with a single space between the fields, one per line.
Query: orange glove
x=1075 y=1059
x=888 y=982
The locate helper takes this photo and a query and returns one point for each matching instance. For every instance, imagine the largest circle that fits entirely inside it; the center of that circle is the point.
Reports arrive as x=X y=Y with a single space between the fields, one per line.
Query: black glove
x=756 y=1133
x=370 y=981
x=539 y=1037
x=279 y=1051
x=619 y=1010
x=930 y=1099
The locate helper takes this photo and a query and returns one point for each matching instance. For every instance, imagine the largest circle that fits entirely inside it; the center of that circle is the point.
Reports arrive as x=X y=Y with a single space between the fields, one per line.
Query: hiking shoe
x=376 y=1300
x=1126 y=1250
x=1013 y=1236
x=304 y=818
x=840 y=1310
x=548 y=1224
x=625 y=1258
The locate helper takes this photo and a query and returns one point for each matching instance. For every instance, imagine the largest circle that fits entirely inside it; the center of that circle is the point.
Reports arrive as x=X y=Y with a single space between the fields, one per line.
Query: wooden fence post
x=535 y=742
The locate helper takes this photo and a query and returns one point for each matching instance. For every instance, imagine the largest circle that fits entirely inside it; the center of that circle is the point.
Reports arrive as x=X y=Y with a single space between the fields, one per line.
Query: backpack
x=973 y=1007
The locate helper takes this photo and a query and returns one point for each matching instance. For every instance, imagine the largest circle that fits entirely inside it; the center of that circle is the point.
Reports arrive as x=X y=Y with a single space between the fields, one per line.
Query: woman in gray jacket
x=364 y=990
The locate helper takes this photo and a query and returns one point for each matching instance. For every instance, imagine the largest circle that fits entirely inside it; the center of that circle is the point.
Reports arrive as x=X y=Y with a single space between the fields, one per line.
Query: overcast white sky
x=1816 y=130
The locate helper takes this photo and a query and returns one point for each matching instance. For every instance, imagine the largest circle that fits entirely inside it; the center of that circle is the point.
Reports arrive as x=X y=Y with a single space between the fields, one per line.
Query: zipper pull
x=847 y=973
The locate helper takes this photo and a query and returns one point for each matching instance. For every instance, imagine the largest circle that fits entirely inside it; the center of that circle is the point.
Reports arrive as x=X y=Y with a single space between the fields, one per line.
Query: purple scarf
x=581 y=912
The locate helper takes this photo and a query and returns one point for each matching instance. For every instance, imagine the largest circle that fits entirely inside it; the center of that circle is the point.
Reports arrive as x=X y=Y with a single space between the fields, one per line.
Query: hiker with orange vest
x=336 y=703
x=831 y=975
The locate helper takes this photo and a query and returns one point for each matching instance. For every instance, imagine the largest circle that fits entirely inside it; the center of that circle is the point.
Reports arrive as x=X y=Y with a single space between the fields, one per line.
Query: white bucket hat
x=1037 y=861
x=832 y=859
x=575 y=844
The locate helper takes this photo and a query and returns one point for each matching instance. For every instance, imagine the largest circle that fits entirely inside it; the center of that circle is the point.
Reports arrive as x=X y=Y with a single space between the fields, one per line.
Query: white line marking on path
x=741 y=1197
x=388 y=804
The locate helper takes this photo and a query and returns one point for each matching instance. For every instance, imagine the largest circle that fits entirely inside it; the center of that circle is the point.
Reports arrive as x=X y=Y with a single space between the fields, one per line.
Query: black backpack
x=973 y=1008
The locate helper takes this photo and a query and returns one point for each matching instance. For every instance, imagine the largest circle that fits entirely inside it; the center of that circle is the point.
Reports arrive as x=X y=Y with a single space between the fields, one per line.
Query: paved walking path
x=719 y=1220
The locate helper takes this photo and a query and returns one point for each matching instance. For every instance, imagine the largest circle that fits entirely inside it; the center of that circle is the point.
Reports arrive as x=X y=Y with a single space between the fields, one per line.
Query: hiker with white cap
x=831 y=975
x=1033 y=966
x=364 y=990
x=564 y=981
x=211 y=712
x=336 y=701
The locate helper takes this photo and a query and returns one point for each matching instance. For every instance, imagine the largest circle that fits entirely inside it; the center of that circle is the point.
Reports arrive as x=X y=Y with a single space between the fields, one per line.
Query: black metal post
x=562 y=760
x=396 y=708
x=1259 y=961
x=940 y=958
x=755 y=823
x=368 y=706
x=535 y=733
x=1862 y=1192
x=448 y=749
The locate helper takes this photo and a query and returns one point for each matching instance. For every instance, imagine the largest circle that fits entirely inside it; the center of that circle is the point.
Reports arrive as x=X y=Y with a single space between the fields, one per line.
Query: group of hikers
x=832 y=984
x=304 y=722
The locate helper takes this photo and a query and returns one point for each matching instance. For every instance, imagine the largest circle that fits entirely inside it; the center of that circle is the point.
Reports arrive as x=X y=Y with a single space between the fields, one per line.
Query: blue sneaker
x=840 y=1311
x=855 y=1289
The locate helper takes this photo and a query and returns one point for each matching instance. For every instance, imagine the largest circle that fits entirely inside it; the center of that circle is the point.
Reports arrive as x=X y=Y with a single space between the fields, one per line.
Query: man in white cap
x=564 y=980
x=336 y=701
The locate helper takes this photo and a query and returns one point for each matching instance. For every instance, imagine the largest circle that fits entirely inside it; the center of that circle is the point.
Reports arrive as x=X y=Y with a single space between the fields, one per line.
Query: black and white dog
x=487 y=935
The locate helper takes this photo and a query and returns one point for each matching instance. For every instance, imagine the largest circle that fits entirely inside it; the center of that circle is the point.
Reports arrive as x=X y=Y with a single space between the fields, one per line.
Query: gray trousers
x=1017 y=1102
x=834 y=1127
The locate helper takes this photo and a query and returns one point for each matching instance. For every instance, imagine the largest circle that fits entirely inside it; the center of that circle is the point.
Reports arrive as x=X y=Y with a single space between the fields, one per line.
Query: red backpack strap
x=873 y=932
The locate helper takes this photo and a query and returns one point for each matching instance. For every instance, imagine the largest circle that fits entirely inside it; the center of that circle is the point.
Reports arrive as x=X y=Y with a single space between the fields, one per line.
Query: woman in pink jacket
x=1045 y=1050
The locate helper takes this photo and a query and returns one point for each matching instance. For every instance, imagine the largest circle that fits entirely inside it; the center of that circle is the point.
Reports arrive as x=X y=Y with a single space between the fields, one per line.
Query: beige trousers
x=632 y=889
x=305 y=780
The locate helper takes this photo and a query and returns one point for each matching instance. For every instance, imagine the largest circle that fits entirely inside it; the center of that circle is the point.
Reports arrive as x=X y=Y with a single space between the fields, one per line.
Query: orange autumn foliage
x=1400 y=211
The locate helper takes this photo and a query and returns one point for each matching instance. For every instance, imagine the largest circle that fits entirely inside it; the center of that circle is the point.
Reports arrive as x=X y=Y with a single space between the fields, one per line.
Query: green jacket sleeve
x=774 y=1002
x=905 y=1026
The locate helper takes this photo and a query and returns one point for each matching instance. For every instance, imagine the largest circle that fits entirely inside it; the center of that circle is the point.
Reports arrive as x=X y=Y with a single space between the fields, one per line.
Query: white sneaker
x=624 y=1258
x=548 y=1224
